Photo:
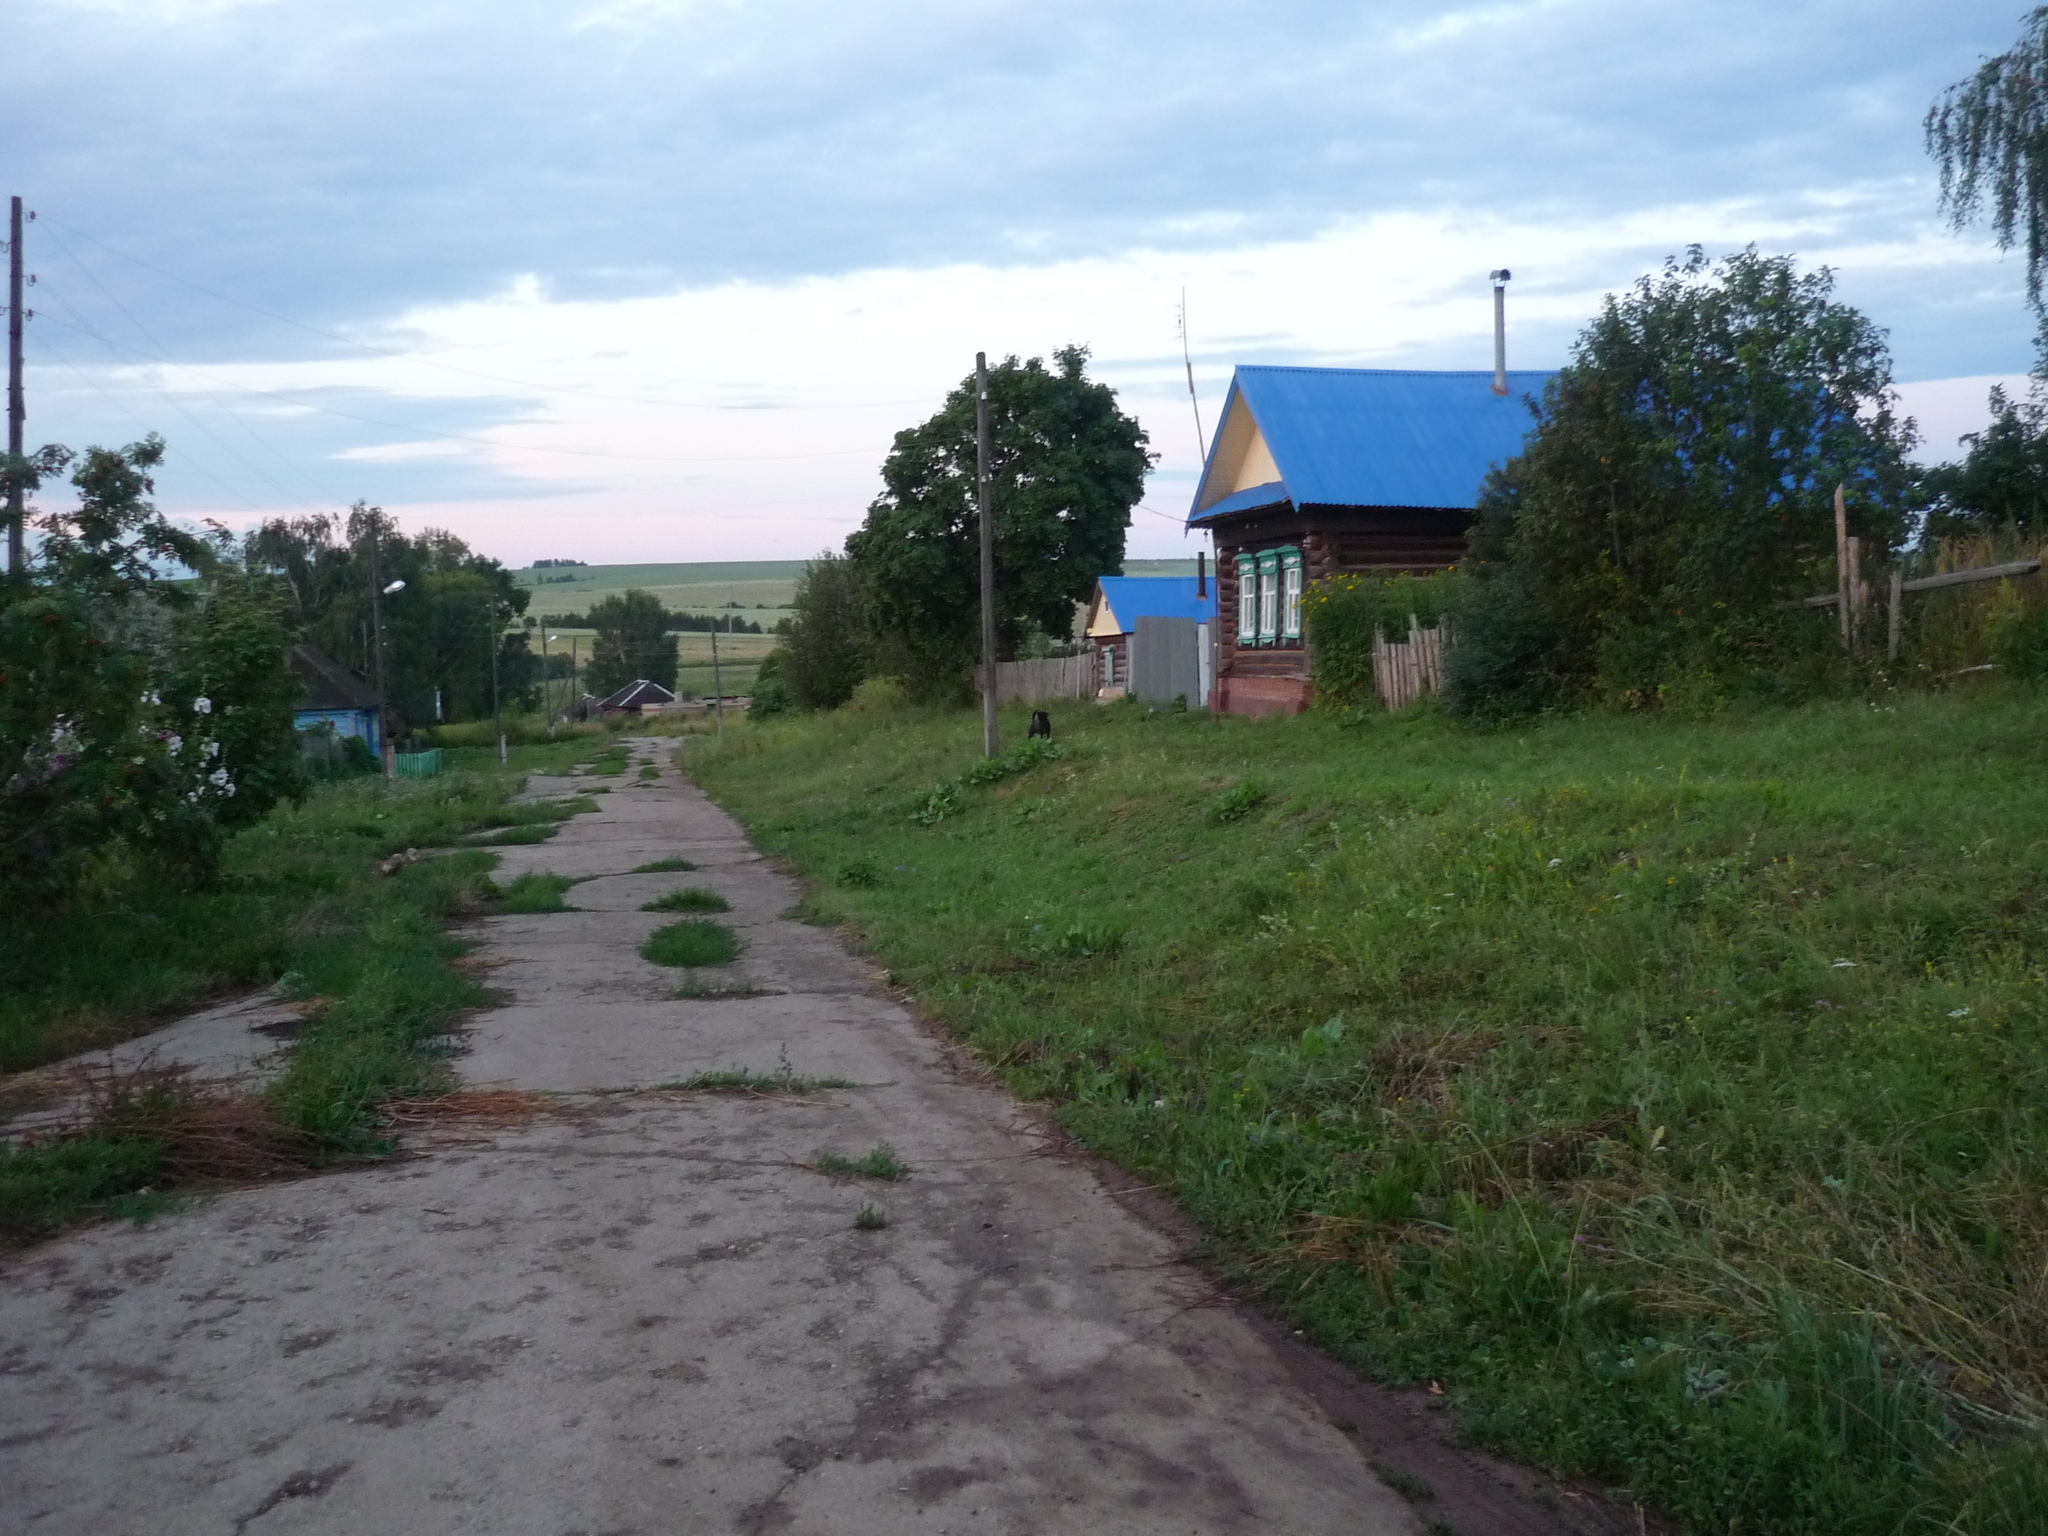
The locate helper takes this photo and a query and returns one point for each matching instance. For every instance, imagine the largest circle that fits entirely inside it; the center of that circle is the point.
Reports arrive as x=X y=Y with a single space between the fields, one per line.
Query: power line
x=43 y=344
x=488 y=442
x=473 y=373
x=291 y=466
x=177 y=405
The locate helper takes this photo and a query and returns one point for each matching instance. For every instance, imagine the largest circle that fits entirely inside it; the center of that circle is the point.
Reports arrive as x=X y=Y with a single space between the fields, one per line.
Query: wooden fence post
x=1842 y=561
x=1893 y=619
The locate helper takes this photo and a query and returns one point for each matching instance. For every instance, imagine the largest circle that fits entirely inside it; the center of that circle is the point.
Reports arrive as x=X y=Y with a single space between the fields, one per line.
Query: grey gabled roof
x=636 y=693
x=325 y=683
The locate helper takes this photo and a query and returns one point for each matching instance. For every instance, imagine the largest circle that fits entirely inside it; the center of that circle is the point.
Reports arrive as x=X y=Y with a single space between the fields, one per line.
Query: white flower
x=230 y=789
x=1555 y=862
x=175 y=743
x=1843 y=965
x=202 y=705
x=152 y=697
x=1959 y=1013
x=218 y=777
x=210 y=749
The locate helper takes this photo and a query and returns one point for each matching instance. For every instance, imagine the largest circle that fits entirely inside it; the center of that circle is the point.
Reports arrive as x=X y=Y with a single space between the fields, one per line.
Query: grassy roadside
x=300 y=903
x=1671 y=1094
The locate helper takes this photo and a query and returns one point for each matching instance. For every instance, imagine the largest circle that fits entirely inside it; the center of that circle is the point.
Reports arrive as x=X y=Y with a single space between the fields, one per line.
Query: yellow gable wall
x=1242 y=459
x=1104 y=622
x=1257 y=467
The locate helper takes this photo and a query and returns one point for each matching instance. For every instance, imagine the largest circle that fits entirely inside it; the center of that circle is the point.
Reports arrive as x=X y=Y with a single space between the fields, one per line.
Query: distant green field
x=708 y=586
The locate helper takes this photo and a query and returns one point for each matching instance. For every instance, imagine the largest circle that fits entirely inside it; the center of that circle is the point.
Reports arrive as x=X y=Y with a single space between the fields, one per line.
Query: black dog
x=1041 y=725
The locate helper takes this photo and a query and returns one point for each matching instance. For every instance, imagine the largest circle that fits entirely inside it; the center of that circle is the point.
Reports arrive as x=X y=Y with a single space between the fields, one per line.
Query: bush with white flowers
x=141 y=718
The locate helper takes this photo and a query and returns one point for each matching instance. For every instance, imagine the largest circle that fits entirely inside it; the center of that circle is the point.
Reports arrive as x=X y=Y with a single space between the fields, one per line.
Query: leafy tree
x=438 y=628
x=1679 y=482
x=632 y=642
x=138 y=716
x=2002 y=481
x=825 y=657
x=1067 y=467
x=1989 y=135
x=233 y=646
x=772 y=698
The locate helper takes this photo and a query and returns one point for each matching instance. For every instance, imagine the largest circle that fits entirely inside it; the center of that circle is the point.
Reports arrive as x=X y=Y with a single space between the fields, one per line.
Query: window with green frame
x=1269 y=597
x=1290 y=594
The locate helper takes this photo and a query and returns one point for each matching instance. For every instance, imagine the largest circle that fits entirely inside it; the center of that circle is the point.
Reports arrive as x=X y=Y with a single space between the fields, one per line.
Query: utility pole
x=497 y=715
x=717 y=687
x=387 y=749
x=547 y=683
x=1499 y=278
x=17 y=554
x=990 y=744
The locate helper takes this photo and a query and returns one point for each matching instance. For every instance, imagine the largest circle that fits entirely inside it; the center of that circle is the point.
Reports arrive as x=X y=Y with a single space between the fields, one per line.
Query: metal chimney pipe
x=1201 y=573
x=1499 y=278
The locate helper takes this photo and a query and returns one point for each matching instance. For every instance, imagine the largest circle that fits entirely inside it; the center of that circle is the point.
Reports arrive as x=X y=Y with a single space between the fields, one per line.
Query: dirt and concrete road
x=638 y=1311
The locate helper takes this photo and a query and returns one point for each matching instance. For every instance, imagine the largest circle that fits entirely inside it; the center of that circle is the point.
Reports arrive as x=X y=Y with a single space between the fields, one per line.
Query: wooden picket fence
x=1050 y=677
x=1402 y=670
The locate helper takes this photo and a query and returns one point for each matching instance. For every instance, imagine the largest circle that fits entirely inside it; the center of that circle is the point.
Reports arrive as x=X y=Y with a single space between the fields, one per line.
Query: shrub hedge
x=1341 y=612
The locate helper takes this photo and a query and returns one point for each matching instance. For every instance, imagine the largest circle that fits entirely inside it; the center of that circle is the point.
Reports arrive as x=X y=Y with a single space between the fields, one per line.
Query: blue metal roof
x=1132 y=598
x=1272 y=494
x=1374 y=437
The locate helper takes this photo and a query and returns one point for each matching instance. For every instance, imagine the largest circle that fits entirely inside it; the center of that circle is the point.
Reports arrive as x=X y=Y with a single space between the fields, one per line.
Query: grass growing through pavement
x=665 y=867
x=533 y=893
x=300 y=903
x=692 y=942
x=694 y=898
x=1672 y=1093
x=880 y=1163
x=783 y=1080
x=513 y=837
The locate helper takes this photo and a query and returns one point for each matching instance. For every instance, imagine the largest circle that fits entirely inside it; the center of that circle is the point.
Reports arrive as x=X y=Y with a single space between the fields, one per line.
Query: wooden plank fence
x=1403 y=670
x=1051 y=677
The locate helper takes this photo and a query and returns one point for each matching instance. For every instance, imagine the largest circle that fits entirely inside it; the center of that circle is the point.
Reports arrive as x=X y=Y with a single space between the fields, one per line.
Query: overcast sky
x=658 y=279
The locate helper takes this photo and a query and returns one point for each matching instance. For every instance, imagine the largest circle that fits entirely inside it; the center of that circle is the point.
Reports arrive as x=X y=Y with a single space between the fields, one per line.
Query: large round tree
x=1067 y=467
x=1678 y=487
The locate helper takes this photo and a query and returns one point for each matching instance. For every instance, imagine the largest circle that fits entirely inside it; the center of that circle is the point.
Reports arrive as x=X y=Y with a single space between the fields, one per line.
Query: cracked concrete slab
x=641 y=1311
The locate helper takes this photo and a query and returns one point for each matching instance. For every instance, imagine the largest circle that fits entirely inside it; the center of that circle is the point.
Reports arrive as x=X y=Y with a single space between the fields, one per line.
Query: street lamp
x=496 y=613
x=574 y=641
x=386 y=750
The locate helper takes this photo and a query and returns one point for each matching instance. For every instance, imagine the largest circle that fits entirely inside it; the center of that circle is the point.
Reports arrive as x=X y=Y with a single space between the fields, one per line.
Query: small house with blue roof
x=1317 y=471
x=1120 y=601
x=334 y=701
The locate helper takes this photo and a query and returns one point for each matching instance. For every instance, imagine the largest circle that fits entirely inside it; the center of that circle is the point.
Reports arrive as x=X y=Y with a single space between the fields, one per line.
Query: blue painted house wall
x=346 y=722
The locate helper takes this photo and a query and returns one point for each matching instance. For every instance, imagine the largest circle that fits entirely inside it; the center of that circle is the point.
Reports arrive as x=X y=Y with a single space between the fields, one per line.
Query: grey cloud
x=331 y=162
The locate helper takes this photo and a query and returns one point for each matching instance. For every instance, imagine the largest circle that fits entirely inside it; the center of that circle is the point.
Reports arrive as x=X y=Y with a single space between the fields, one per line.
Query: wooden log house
x=1316 y=471
x=1117 y=605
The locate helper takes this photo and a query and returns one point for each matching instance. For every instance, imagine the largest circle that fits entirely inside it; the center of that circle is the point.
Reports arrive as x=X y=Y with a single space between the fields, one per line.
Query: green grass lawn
x=1671 y=1094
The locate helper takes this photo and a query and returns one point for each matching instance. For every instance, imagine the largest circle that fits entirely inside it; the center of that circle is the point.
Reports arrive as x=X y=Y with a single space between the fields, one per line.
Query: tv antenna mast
x=1188 y=362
